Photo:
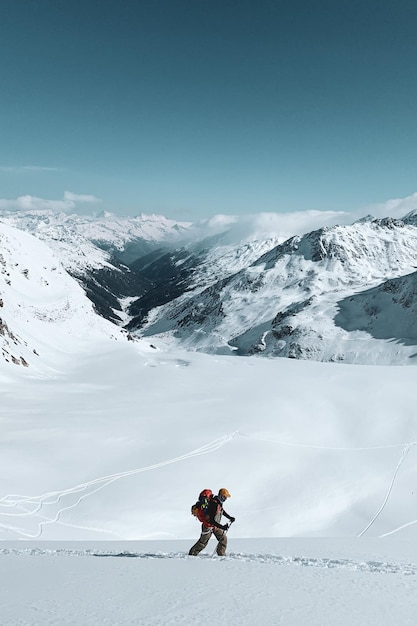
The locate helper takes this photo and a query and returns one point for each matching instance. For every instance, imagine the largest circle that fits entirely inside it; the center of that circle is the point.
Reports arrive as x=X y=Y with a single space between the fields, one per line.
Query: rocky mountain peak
x=262 y=297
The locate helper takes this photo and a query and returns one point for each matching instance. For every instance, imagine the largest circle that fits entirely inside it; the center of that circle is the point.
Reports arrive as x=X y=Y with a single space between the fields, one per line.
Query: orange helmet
x=224 y=492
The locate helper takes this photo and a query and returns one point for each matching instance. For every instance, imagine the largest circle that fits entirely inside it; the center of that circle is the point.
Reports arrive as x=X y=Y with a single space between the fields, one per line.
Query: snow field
x=132 y=436
x=270 y=582
x=112 y=439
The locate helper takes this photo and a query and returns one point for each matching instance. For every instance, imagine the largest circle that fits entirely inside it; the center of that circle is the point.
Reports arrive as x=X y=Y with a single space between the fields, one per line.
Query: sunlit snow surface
x=267 y=581
x=108 y=439
x=119 y=447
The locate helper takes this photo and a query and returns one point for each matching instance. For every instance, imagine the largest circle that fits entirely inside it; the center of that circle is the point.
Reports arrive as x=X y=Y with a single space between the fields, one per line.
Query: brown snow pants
x=206 y=533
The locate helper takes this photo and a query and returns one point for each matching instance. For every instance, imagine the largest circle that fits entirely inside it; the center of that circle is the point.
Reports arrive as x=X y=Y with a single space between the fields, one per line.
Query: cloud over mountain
x=239 y=284
x=395 y=207
x=69 y=202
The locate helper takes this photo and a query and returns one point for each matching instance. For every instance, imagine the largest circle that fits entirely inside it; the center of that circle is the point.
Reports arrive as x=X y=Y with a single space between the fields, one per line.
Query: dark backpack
x=199 y=509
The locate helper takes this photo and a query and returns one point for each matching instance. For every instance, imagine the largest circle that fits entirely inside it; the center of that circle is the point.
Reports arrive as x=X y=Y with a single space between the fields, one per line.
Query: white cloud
x=77 y=197
x=21 y=169
x=397 y=207
x=285 y=225
x=69 y=202
x=264 y=225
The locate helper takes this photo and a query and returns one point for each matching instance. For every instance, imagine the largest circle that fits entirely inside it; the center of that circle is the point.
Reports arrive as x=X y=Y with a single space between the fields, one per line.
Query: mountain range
x=344 y=293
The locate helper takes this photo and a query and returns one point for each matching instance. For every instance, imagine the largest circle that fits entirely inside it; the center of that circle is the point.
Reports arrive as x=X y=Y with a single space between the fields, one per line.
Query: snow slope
x=132 y=435
x=288 y=582
x=108 y=439
x=111 y=415
x=45 y=314
x=285 y=302
x=85 y=241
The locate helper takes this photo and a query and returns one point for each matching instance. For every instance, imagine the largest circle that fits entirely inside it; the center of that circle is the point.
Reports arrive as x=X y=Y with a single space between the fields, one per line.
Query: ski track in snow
x=406 y=448
x=381 y=508
x=376 y=567
x=20 y=502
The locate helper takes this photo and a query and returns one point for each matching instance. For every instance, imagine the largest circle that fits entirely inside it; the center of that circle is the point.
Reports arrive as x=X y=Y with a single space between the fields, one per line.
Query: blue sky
x=191 y=108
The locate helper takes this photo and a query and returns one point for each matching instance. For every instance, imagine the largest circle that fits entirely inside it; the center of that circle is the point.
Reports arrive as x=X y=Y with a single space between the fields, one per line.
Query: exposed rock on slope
x=285 y=302
x=327 y=295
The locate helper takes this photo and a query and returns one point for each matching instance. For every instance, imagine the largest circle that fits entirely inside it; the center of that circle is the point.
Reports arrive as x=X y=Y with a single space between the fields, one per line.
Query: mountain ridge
x=45 y=315
x=264 y=297
x=284 y=283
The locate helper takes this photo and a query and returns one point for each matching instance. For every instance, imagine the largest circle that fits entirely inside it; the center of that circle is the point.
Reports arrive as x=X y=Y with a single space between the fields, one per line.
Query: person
x=212 y=524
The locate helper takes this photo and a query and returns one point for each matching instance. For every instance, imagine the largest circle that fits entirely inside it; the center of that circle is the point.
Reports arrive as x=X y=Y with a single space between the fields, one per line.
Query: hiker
x=212 y=524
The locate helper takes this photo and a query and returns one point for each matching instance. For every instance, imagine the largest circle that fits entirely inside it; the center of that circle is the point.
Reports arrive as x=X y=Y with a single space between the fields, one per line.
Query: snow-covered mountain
x=287 y=302
x=95 y=249
x=83 y=241
x=106 y=438
x=190 y=269
x=45 y=315
x=103 y=437
x=312 y=296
